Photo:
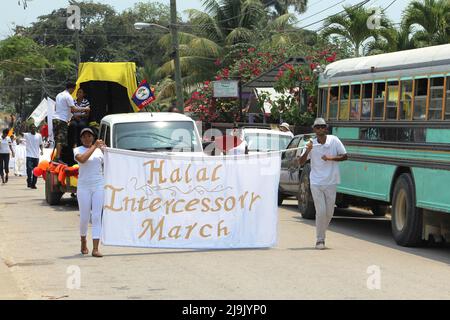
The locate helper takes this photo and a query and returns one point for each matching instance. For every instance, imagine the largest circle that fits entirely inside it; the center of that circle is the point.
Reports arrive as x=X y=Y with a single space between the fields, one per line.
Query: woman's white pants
x=90 y=201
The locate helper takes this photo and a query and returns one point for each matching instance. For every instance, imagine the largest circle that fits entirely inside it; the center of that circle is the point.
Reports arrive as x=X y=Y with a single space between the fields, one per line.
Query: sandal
x=97 y=254
x=84 y=248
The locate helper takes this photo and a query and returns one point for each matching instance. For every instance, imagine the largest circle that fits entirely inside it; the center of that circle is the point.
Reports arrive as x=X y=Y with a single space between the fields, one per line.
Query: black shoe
x=6 y=179
x=33 y=187
x=28 y=186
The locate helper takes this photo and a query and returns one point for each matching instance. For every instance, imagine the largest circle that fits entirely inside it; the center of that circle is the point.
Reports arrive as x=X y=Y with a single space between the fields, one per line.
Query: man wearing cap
x=324 y=151
x=284 y=127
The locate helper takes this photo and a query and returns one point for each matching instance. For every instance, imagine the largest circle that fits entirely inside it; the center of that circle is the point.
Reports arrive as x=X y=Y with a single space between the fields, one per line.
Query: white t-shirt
x=4 y=145
x=63 y=103
x=90 y=173
x=33 y=142
x=325 y=172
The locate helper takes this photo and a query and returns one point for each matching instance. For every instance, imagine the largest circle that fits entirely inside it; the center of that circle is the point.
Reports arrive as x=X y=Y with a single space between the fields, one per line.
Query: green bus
x=392 y=112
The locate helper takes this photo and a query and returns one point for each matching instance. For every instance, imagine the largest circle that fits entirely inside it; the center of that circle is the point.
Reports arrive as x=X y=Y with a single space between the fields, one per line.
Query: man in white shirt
x=33 y=144
x=324 y=152
x=64 y=106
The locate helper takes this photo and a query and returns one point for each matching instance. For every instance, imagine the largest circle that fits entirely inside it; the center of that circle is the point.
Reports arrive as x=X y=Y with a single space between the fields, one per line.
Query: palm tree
x=433 y=18
x=282 y=6
x=225 y=23
x=400 y=39
x=353 y=26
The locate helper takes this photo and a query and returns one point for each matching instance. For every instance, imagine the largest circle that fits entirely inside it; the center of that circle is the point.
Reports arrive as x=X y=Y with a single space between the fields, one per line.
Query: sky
x=12 y=13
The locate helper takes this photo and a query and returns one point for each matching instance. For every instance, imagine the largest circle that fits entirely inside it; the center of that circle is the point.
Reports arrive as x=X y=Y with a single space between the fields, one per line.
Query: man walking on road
x=33 y=144
x=324 y=152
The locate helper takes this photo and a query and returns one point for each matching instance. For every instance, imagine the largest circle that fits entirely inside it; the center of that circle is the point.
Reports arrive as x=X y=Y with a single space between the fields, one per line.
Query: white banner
x=155 y=200
x=50 y=112
x=40 y=112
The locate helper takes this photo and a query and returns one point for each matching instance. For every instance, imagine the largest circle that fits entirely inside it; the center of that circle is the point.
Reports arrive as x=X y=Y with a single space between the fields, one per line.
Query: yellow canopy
x=123 y=73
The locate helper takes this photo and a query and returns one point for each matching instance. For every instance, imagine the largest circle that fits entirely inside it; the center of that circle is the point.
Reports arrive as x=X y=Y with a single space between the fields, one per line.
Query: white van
x=151 y=132
x=264 y=140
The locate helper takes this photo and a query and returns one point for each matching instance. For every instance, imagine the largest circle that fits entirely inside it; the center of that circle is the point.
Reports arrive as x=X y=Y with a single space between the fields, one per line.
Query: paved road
x=38 y=244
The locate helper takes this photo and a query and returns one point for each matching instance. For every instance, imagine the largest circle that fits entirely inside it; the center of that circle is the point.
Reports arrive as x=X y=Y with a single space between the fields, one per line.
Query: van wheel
x=407 y=219
x=52 y=198
x=305 y=200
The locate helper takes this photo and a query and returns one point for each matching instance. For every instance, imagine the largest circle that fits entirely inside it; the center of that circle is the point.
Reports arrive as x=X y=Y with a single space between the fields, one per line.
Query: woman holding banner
x=90 y=189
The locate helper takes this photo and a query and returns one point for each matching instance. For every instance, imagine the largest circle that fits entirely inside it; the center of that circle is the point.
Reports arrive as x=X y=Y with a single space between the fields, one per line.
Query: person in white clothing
x=5 y=149
x=324 y=152
x=284 y=127
x=34 y=147
x=240 y=146
x=90 y=188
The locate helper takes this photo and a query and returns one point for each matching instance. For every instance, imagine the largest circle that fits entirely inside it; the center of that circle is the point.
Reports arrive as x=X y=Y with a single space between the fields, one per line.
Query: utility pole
x=176 y=53
x=77 y=46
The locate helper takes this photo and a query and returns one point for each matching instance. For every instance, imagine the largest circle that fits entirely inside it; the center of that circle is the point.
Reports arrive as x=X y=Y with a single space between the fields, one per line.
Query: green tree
x=210 y=34
x=352 y=26
x=433 y=19
x=400 y=39
x=282 y=6
x=21 y=58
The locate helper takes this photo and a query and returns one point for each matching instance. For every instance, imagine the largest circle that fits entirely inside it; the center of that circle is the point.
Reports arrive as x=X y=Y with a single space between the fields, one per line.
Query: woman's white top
x=90 y=173
x=4 y=145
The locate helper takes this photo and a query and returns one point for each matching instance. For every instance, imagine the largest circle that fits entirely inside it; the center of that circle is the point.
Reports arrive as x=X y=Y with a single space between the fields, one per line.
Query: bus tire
x=52 y=198
x=379 y=210
x=407 y=219
x=305 y=199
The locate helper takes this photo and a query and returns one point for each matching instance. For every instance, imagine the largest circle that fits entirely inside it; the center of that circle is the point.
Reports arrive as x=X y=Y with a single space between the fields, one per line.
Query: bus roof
x=405 y=63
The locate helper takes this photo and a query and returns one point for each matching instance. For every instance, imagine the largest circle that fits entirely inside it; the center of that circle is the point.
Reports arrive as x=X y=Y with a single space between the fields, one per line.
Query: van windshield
x=176 y=136
x=266 y=142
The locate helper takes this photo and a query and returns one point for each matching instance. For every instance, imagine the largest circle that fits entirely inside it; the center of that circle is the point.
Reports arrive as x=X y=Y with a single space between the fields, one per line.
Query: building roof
x=267 y=79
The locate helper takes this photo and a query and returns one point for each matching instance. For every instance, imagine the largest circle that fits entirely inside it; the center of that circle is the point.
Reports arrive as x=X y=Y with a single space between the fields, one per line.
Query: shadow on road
x=363 y=225
x=180 y=251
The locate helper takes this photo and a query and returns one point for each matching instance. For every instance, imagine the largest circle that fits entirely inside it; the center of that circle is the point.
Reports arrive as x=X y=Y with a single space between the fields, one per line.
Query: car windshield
x=156 y=136
x=266 y=141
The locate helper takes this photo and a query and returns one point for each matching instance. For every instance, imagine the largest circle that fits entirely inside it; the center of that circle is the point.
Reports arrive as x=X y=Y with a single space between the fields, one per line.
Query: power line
x=322 y=10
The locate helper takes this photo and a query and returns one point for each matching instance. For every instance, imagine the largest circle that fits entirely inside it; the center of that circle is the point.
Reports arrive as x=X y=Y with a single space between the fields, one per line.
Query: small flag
x=144 y=95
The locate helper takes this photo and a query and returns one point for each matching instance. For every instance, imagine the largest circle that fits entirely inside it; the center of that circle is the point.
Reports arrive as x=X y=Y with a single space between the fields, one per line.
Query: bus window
x=392 y=100
x=343 y=105
x=436 y=95
x=322 y=112
x=406 y=100
x=447 y=105
x=354 y=103
x=366 y=101
x=420 y=99
x=378 y=106
x=334 y=91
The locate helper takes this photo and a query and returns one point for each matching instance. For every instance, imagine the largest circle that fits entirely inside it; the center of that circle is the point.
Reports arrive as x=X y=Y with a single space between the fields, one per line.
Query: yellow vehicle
x=109 y=87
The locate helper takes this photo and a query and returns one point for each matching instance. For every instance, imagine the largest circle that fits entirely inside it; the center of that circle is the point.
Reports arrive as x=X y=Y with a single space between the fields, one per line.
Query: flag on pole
x=144 y=95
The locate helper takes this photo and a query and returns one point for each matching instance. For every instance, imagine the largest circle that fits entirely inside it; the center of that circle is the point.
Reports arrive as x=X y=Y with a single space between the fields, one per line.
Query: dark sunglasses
x=321 y=126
